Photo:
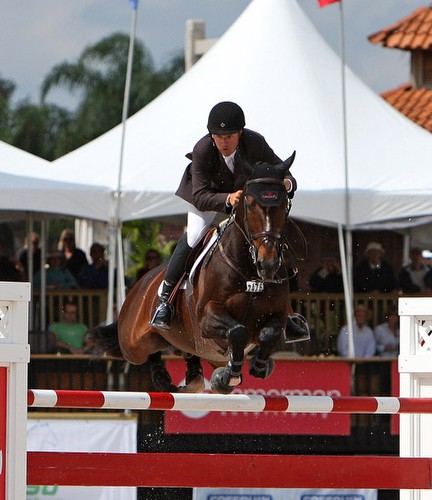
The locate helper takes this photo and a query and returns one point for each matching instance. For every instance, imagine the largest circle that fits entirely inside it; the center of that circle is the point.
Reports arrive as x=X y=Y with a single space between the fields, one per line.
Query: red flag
x=323 y=3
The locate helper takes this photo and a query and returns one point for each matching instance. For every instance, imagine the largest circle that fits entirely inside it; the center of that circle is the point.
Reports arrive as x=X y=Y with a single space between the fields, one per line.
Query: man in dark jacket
x=374 y=274
x=213 y=184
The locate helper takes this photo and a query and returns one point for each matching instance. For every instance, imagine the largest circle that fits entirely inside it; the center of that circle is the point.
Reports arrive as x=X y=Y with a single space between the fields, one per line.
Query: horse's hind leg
x=262 y=365
x=194 y=381
x=224 y=379
x=159 y=374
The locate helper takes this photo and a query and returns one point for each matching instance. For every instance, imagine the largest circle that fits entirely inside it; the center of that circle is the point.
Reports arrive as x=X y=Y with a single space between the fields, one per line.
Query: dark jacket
x=368 y=280
x=207 y=180
x=406 y=282
x=323 y=281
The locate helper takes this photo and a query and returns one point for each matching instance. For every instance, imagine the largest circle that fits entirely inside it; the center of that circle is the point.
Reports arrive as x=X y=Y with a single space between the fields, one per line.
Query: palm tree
x=98 y=77
x=39 y=129
x=7 y=88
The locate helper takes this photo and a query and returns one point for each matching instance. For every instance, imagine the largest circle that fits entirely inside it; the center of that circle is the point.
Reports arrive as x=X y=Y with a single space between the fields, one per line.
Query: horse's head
x=265 y=209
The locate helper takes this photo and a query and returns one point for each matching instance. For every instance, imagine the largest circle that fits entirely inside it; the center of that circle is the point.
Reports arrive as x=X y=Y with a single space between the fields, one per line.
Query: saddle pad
x=202 y=254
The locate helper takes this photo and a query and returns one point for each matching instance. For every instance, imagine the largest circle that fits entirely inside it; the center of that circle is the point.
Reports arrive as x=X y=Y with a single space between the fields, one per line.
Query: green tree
x=7 y=88
x=38 y=129
x=141 y=236
x=98 y=77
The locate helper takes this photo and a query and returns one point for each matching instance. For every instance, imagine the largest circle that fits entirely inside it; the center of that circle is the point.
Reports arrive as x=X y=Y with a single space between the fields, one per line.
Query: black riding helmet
x=226 y=118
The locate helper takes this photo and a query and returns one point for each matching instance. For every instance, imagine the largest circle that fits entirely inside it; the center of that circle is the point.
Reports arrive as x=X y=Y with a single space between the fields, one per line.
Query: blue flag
x=134 y=4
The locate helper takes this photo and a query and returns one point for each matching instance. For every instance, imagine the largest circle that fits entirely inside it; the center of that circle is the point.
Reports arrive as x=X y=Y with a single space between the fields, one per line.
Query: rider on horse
x=213 y=184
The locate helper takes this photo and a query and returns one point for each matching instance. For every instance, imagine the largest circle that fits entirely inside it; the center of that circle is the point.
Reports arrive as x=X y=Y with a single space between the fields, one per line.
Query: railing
x=325 y=313
x=92 y=305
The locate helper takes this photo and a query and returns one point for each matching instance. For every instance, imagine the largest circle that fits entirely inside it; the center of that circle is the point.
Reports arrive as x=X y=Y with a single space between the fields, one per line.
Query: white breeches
x=198 y=224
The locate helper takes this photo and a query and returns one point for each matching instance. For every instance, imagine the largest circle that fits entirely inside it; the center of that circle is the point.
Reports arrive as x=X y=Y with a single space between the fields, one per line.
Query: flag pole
x=348 y=260
x=115 y=230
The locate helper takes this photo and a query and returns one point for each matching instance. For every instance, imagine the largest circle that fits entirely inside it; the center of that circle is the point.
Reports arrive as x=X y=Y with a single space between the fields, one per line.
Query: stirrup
x=302 y=332
x=164 y=323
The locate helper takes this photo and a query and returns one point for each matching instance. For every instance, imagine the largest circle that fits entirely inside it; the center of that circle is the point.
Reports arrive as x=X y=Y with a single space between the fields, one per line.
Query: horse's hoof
x=261 y=369
x=195 y=386
x=220 y=383
x=161 y=379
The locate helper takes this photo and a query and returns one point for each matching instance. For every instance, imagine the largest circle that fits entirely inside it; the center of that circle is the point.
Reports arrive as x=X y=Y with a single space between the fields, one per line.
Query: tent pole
x=43 y=290
x=115 y=233
x=347 y=290
x=121 y=292
x=346 y=260
x=30 y=267
x=111 y=270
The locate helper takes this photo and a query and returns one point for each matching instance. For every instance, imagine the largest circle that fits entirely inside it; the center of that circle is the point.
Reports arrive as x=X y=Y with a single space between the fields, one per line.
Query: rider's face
x=227 y=144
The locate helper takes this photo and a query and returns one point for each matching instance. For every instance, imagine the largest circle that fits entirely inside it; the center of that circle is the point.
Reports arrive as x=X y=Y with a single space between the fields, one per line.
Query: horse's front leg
x=224 y=379
x=262 y=365
x=217 y=323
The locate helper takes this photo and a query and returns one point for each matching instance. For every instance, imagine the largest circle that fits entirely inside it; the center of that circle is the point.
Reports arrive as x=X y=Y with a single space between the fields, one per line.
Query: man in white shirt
x=363 y=336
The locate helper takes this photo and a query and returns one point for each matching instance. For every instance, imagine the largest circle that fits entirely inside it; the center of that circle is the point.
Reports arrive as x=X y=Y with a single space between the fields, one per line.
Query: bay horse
x=236 y=298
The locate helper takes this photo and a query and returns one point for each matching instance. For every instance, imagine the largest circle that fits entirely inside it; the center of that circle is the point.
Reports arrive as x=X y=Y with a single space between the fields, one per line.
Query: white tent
x=26 y=185
x=273 y=62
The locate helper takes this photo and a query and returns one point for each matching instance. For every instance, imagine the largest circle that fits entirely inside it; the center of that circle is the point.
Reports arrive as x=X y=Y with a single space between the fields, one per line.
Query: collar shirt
x=229 y=160
x=384 y=336
x=364 y=341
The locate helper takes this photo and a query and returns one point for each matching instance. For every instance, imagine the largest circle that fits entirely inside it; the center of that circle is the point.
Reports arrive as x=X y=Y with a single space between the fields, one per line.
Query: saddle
x=193 y=256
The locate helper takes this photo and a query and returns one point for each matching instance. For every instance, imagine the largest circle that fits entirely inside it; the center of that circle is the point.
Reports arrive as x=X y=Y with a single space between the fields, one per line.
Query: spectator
x=23 y=256
x=387 y=335
x=416 y=276
x=8 y=271
x=95 y=275
x=363 y=336
x=70 y=335
x=153 y=259
x=57 y=277
x=75 y=258
x=328 y=277
x=373 y=274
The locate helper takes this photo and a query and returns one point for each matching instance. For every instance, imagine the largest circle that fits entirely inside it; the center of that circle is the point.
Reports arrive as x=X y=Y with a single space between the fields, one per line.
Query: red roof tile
x=415 y=104
x=411 y=32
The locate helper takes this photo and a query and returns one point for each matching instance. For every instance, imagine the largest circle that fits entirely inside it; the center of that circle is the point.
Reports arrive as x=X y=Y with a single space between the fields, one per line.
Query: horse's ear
x=282 y=168
x=289 y=161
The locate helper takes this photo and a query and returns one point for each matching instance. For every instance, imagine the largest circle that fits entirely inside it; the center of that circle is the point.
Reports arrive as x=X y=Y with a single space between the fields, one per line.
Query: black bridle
x=275 y=237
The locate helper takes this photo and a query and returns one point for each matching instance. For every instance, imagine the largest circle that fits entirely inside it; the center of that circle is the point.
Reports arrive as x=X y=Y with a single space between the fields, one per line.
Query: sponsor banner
x=3 y=430
x=281 y=494
x=81 y=433
x=298 y=378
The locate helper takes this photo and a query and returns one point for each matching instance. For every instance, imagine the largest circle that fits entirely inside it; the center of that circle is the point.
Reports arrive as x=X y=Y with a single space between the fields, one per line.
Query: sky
x=36 y=35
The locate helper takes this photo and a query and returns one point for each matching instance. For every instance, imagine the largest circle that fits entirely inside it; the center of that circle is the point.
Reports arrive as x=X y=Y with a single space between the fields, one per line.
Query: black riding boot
x=176 y=267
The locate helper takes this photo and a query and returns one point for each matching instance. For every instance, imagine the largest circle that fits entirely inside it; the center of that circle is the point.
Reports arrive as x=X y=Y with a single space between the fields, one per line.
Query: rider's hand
x=234 y=198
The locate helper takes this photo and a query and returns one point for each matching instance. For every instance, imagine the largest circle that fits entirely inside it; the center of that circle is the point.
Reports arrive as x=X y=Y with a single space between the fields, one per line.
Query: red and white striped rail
x=42 y=398
x=227 y=470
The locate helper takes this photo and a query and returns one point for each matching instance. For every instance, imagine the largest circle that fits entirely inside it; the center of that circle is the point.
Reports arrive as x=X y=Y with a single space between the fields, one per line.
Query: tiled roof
x=415 y=104
x=411 y=32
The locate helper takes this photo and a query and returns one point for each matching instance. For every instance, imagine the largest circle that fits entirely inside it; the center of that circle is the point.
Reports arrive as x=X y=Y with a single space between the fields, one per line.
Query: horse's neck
x=235 y=243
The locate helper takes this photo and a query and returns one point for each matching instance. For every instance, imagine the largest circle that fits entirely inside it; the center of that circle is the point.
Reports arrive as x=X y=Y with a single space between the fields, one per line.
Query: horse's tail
x=105 y=339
